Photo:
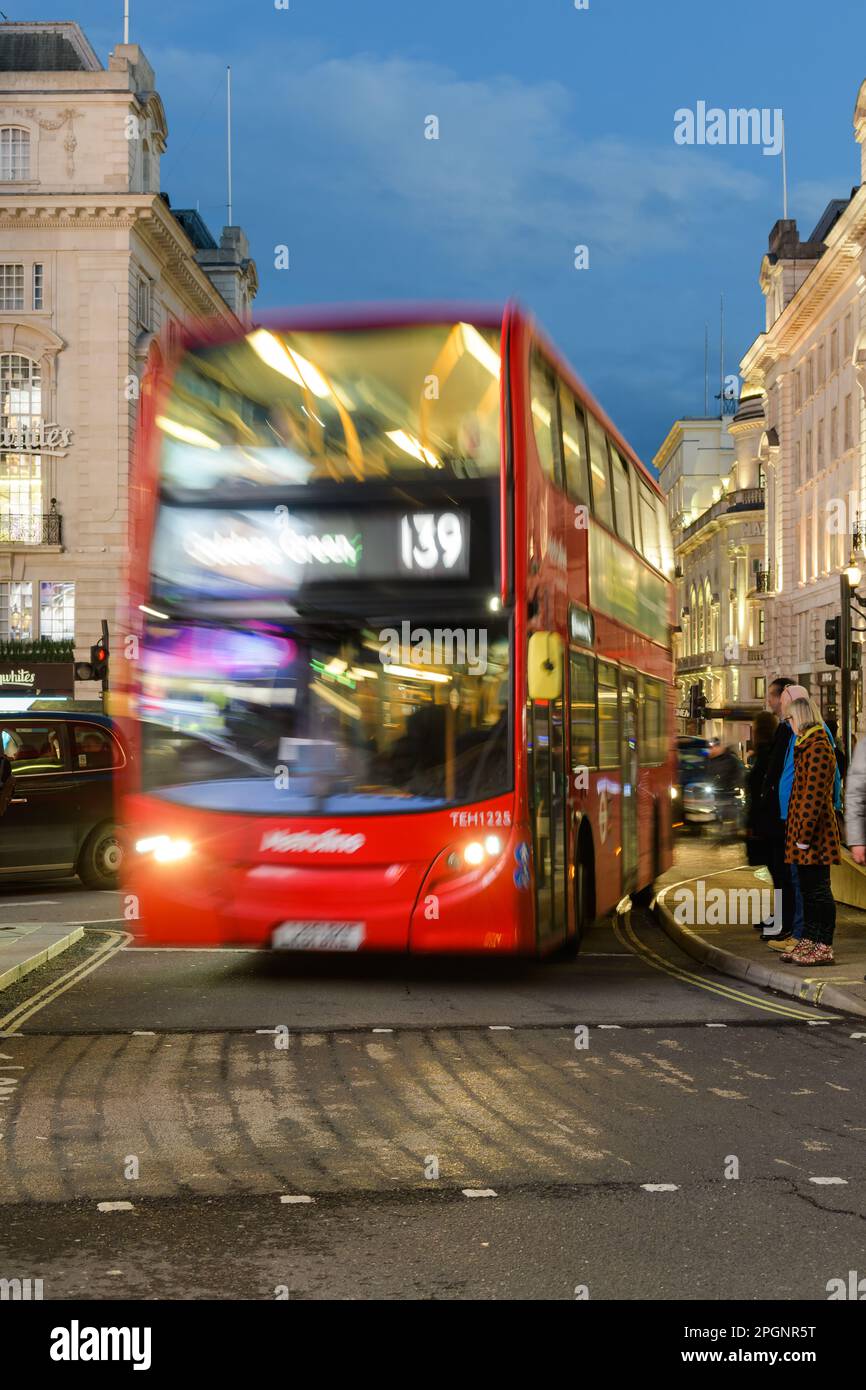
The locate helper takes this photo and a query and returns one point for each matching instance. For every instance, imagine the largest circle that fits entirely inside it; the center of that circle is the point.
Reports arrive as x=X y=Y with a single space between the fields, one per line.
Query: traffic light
x=96 y=669
x=697 y=702
x=833 y=638
x=99 y=659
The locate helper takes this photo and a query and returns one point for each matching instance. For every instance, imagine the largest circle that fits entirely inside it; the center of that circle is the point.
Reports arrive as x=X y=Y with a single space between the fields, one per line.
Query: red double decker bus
x=400 y=613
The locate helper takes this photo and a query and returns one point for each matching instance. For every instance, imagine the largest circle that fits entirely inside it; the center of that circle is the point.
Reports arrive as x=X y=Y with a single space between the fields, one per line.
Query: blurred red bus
x=401 y=604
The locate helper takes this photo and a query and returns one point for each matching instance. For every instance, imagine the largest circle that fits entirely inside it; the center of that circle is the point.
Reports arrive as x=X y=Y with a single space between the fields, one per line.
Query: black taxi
x=60 y=818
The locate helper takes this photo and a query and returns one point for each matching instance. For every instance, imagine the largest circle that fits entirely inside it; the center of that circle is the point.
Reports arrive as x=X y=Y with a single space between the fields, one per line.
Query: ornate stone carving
x=66 y=117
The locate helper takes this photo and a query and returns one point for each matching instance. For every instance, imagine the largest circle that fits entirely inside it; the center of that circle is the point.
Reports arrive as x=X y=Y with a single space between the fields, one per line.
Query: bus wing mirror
x=544 y=666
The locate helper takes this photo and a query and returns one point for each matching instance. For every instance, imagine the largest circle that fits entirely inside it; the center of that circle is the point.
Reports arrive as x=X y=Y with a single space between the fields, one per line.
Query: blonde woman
x=812 y=836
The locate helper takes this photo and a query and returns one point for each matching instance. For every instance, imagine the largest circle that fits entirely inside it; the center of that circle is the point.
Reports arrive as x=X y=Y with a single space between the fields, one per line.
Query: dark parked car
x=60 y=819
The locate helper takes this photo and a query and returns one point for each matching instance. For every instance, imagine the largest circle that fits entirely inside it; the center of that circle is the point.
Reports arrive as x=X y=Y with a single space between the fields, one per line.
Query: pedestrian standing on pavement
x=759 y=848
x=768 y=821
x=812 y=834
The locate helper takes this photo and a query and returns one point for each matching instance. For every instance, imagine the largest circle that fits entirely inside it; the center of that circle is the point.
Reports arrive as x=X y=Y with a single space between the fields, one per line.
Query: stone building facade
x=711 y=475
x=810 y=364
x=97 y=270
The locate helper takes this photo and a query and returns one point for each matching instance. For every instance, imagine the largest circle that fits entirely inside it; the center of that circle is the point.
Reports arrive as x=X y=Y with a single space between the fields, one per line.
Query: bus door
x=629 y=772
x=549 y=817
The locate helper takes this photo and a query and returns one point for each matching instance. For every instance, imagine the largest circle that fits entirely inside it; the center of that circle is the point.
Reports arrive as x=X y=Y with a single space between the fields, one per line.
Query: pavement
x=720 y=930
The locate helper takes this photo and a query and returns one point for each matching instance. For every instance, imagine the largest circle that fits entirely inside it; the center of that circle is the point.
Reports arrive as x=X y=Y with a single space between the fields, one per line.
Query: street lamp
x=853 y=574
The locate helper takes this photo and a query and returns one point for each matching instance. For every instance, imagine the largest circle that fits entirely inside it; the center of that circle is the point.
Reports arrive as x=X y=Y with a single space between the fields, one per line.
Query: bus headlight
x=675 y=791
x=164 y=848
x=477 y=851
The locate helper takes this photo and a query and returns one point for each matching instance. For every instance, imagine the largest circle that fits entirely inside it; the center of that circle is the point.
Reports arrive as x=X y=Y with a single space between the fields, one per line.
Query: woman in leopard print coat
x=812 y=835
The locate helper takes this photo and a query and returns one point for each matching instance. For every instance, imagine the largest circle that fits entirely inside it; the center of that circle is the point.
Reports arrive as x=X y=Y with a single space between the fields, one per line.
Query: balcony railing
x=747 y=499
x=31 y=528
x=764 y=581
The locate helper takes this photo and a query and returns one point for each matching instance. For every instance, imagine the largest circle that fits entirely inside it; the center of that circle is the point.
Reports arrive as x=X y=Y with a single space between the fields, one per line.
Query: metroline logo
x=331 y=841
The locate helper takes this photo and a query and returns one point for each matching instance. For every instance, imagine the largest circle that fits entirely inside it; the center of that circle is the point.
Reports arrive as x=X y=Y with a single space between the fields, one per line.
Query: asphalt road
x=202 y=1087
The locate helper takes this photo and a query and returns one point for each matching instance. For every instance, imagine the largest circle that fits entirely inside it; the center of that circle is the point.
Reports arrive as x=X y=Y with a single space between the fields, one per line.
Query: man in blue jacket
x=769 y=822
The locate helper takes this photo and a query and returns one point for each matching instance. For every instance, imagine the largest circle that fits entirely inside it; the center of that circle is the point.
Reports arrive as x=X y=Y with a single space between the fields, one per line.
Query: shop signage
x=38 y=438
x=37 y=678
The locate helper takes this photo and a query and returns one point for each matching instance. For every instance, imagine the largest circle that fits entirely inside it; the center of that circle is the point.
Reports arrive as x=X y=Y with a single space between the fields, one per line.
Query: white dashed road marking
x=829 y=1182
x=479 y=1192
x=660 y=1186
x=114 y=1206
x=292 y=1200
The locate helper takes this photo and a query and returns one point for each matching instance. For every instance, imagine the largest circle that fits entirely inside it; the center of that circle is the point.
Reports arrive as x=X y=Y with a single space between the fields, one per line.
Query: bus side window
x=574 y=446
x=601 y=498
x=608 y=715
x=622 y=496
x=665 y=543
x=635 y=510
x=542 y=390
x=650 y=526
x=582 y=711
x=652 y=732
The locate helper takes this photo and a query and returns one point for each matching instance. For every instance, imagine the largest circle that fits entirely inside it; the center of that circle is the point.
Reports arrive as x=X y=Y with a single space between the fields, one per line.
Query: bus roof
x=356 y=317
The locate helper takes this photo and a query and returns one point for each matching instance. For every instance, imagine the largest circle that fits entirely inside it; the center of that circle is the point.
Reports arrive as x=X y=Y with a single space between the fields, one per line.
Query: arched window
x=693 y=623
x=14 y=154
x=711 y=618
x=702 y=636
x=21 y=503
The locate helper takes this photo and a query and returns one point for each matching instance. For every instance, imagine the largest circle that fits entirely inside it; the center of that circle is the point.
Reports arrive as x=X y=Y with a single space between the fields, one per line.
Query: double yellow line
x=28 y=1007
x=627 y=936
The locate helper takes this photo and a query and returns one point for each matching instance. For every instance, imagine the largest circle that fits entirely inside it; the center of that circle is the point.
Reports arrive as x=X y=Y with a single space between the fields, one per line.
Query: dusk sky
x=556 y=129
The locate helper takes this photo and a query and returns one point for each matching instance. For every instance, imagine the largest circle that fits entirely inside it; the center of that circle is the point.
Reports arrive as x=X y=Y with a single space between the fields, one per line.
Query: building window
x=20 y=473
x=38 y=285
x=760 y=687
x=798 y=394
x=820 y=439
x=145 y=167
x=145 y=308
x=847 y=424
x=762 y=625
x=820 y=362
x=14 y=154
x=810 y=377
x=808 y=459
x=834 y=350
x=796 y=464
x=11 y=288
x=16 y=612
x=849 y=346
x=57 y=610
x=834 y=432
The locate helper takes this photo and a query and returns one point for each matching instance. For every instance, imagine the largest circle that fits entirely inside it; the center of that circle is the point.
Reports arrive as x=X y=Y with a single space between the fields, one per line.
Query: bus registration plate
x=318 y=936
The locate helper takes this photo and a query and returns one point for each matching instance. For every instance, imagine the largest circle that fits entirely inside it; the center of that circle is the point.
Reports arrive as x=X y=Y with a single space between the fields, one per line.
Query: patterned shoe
x=801 y=946
x=818 y=955
x=783 y=943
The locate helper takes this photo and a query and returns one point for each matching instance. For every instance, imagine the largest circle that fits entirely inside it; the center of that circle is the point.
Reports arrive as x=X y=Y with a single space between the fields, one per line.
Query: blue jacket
x=786 y=781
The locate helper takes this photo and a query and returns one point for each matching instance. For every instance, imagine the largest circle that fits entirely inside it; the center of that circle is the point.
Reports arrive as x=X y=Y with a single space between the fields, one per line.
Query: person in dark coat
x=759 y=849
x=767 y=819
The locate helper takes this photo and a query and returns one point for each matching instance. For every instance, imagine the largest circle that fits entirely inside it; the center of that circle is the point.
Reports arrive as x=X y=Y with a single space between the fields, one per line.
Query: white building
x=811 y=364
x=711 y=476
x=94 y=265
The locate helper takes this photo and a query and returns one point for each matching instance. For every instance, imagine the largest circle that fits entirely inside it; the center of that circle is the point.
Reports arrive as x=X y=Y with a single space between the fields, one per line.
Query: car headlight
x=165 y=849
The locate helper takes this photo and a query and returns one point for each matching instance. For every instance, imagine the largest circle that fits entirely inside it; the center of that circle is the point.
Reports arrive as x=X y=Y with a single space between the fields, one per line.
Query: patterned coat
x=811 y=818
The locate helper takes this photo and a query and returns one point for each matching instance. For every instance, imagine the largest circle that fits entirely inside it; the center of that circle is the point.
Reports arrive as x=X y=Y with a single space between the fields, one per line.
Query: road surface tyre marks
x=506 y=1137
x=13 y=1122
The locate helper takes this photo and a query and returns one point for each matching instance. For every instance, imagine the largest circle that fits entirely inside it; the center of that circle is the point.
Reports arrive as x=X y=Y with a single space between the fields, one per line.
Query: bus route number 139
x=432 y=542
